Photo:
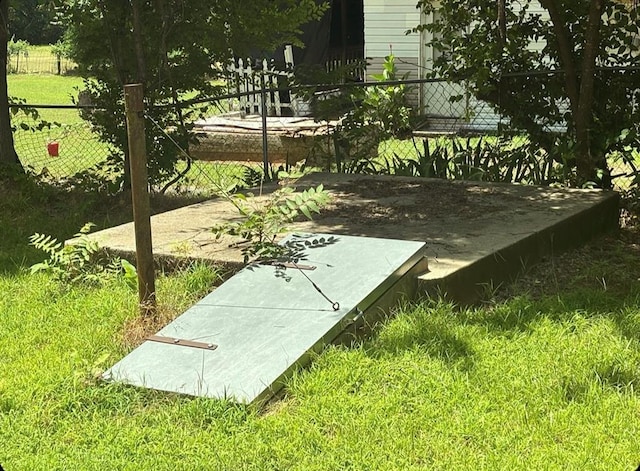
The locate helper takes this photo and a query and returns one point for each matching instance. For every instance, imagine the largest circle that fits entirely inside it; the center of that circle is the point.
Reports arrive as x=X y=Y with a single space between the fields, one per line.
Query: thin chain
x=334 y=304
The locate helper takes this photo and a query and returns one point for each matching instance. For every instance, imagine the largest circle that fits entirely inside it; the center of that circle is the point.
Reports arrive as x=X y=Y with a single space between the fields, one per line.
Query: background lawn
x=544 y=375
x=79 y=147
x=39 y=60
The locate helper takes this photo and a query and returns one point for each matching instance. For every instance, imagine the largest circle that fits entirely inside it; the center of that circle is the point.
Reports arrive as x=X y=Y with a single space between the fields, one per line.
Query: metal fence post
x=134 y=109
x=263 y=111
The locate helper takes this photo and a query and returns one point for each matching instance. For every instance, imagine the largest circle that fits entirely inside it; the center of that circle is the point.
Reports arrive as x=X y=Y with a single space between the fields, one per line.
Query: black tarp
x=316 y=36
x=324 y=38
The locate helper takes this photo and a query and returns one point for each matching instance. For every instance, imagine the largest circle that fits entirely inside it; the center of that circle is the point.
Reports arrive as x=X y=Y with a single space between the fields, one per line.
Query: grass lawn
x=79 y=148
x=545 y=375
x=46 y=89
x=39 y=60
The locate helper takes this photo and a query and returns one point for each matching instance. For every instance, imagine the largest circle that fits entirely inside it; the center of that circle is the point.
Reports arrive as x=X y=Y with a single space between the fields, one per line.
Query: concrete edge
x=468 y=285
x=168 y=263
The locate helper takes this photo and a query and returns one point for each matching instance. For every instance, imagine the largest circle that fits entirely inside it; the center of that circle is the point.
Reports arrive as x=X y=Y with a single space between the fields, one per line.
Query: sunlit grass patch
x=545 y=376
x=457 y=390
x=39 y=59
x=513 y=385
x=78 y=147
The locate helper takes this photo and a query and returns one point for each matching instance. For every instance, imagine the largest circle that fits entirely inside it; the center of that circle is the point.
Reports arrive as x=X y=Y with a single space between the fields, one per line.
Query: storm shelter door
x=240 y=341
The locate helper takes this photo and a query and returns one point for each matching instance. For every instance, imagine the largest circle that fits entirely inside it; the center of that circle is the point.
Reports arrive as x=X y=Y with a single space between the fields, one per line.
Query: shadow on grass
x=520 y=313
x=600 y=279
x=517 y=314
x=29 y=206
x=432 y=331
x=620 y=378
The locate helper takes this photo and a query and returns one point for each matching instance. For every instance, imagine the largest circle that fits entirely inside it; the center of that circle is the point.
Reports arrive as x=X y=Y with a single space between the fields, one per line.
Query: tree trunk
x=138 y=43
x=579 y=81
x=502 y=23
x=8 y=156
x=586 y=161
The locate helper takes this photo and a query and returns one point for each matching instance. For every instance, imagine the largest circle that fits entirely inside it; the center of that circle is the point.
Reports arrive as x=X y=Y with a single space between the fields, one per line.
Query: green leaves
x=82 y=261
x=368 y=116
x=177 y=42
x=307 y=202
x=262 y=221
x=130 y=274
x=468 y=49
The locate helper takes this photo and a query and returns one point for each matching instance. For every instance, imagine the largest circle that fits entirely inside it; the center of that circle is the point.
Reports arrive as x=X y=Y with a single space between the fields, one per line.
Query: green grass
x=544 y=376
x=45 y=89
x=48 y=90
x=39 y=60
x=79 y=148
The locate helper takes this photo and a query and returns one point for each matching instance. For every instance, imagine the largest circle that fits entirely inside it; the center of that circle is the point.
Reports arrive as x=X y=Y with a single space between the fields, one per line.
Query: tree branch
x=565 y=50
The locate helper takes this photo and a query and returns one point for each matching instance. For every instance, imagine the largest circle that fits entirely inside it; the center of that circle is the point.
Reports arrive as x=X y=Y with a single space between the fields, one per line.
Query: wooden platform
x=234 y=137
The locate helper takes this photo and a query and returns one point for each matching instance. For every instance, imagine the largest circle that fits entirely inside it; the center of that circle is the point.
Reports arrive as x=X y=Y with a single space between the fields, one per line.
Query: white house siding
x=480 y=115
x=385 y=24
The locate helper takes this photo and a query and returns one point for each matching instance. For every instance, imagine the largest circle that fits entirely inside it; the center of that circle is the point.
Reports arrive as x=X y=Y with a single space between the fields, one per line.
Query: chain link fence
x=60 y=148
x=39 y=62
x=72 y=151
x=454 y=138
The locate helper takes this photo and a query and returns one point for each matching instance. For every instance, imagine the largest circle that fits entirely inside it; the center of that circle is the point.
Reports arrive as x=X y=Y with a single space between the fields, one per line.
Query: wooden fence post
x=134 y=109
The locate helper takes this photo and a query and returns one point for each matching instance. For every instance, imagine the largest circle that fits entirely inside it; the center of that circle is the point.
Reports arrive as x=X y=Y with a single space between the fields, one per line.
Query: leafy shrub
x=484 y=158
x=61 y=50
x=261 y=223
x=367 y=116
x=15 y=49
x=84 y=261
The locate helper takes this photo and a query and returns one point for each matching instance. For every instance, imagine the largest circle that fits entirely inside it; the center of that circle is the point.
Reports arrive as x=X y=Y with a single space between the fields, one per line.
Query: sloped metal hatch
x=244 y=338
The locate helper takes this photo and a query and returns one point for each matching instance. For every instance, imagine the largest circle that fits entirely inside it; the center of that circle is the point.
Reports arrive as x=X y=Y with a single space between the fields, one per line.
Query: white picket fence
x=249 y=79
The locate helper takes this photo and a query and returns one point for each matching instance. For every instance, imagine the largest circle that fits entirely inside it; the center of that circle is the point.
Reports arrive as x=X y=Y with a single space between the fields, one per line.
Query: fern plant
x=260 y=224
x=84 y=261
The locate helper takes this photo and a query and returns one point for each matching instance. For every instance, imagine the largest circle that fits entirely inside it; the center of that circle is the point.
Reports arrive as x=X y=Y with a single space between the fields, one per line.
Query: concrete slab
x=245 y=338
x=476 y=233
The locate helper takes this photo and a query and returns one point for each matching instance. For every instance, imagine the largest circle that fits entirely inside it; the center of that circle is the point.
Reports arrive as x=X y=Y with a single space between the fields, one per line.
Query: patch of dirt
x=138 y=328
x=393 y=201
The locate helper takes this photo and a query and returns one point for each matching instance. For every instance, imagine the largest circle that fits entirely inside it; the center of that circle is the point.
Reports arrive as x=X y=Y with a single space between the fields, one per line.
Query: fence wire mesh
x=59 y=150
x=449 y=138
x=38 y=62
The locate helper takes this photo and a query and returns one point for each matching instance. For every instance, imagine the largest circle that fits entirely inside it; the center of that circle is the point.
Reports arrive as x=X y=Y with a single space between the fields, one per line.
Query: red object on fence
x=53 y=149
